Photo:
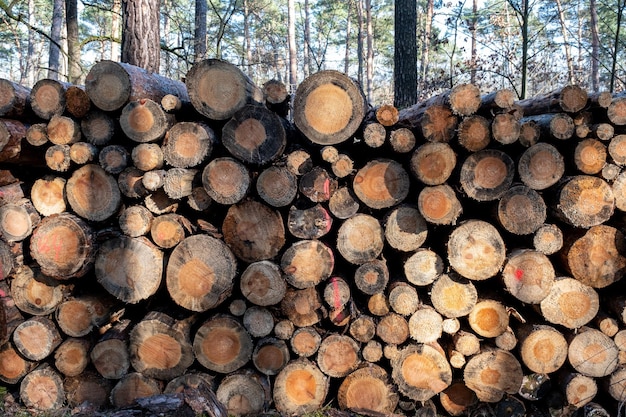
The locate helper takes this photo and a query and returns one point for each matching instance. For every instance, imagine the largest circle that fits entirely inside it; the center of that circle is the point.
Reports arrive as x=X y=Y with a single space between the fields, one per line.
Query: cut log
x=130 y=183
x=585 y=201
x=148 y=156
x=306 y=263
x=217 y=89
x=439 y=205
x=343 y=203
x=42 y=389
x=528 y=275
x=617 y=150
x=360 y=239
x=378 y=305
x=109 y=355
x=421 y=371
x=130 y=269
x=15 y=99
x=541 y=166
x=254 y=135
x=466 y=343
x=570 y=303
x=145 y=121
x=603 y=131
x=338 y=355
x=506 y=340
x=237 y=307
x=328 y=107
x=83 y=153
x=135 y=221
x=374 y=135
x=159 y=347
x=222 y=345
x=492 y=374
x=35 y=293
x=37 y=134
x=405 y=228
x=77 y=102
x=98 y=127
x=486 y=175
x=372 y=277
x=372 y=352
x=300 y=388
x=336 y=293
x=47 y=98
x=423 y=267
x=64 y=246
x=590 y=156
x=402 y=140
x=476 y=250
x=87 y=388
x=154 y=180
x=262 y=283
x=488 y=318
x=543 y=348
x=167 y=231
x=592 y=353
x=403 y=298
x=457 y=399
x=453 y=296
x=226 y=180
x=92 y=193
x=433 y=163
x=299 y=162
x=317 y=185
x=187 y=144
x=253 y=231
x=58 y=158
x=17 y=220
x=387 y=115
x=72 y=356
x=305 y=341
x=309 y=223
x=63 y=130
x=570 y=99
x=368 y=390
x=496 y=101
x=474 y=132
x=616 y=385
x=277 y=98
x=559 y=126
x=36 y=338
x=199 y=200
x=426 y=325
x=13 y=366
x=132 y=387
x=521 y=210
x=343 y=166
x=616 y=111
x=435 y=122
x=392 y=329
x=200 y=272
x=277 y=186
x=75 y=317
x=302 y=307
x=270 y=355
x=258 y=321
x=110 y=85
x=548 y=239
x=242 y=393
x=363 y=328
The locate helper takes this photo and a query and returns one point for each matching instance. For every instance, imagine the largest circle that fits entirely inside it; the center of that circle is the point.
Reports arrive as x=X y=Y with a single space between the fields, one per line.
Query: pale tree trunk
x=566 y=45
x=595 y=46
x=115 y=30
x=346 y=66
x=428 y=24
x=30 y=68
x=54 y=58
x=140 y=35
x=73 y=45
x=621 y=4
x=473 y=22
x=200 y=34
x=293 y=63
x=360 y=20
x=306 y=52
x=246 y=36
x=370 y=49
x=405 y=54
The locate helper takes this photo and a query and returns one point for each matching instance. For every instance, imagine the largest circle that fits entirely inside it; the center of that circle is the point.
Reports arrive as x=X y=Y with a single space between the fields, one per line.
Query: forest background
x=529 y=46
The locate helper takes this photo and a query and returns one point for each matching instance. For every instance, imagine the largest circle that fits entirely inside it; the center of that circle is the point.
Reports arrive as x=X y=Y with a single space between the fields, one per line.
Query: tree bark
x=140 y=34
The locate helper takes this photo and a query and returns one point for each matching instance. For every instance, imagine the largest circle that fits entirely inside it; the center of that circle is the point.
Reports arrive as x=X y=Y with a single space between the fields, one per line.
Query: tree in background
x=140 y=33
x=405 y=53
x=54 y=55
x=75 y=71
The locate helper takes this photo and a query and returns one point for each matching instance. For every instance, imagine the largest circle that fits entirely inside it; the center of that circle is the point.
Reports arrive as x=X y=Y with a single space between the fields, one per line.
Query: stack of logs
x=460 y=256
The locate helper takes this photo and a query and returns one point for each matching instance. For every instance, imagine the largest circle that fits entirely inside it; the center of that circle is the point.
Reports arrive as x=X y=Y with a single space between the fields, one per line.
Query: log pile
x=461 y=256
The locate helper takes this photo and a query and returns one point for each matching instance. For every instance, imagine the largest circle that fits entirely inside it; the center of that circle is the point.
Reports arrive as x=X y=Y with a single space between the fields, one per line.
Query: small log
x=570 y=99
x=343 y=203
x=18 y=220
x=110 y=355
x=453 y=296
x=159 y=347
x=242 y=393
x=309 y=223
x=222 y=345
x=506 y=340
x=64 y=246
x=77 y=102
x=592 y=353
x=486 y=175
x=423 y=267
x=75 y=316
x=98 y=127
x=426 y=325
x=87 y=388
x=497 y=101
x=306 y=263
x=254 y=135
x=305 y=341
x=585 y=201
x=360 y=239
x=439 y=205
x=92 y=193
x=226 y=180
x=270 y=355
x=131 y=387
x=36 y=338
x=590 y=156
x=277 y=98
x=299 y=162
x=47 y=98
x=110 y=85
x=58 y=158
x=541 y=166
x=262 y=283
x=63 y=130
x=300 y=388
x=338 y=355
x=476 y=250
x=35 y=293
x=135 y=221
x=603 y=131
x=402 y=140
x=372 y=352
x=405 y=228
x=218 y=89
x=277 y=186
x=154 y=180
x=374 y=134
x=403 y=298
x=543 y=348
x=343 y=166
x=258 y=321
x=42 y=389
x=392 y=329
x=72 y=356
x=457 y=399
x=372 y=277
x=387 y=115
x=317 y=185
x=528 y=275
x=148 y=156
x=145 y=121
x=187 y=144
x=328 y=107
x=13 y=366
x=492 y=374
x=529 y=134
x=466 y=343
x=15 y=99
x=130 y=183
x=368 y=390
x=199 y=200
x=37 y=134
x=237 y=307
x=363 y=328
x=113 y=159
x=421 y=371
x=521 y=210
x=167 y=231
x=200 y=272
x=474 y=133
x=488 y=318
x=83 y=153
x=570 y=303
x=378 y=305
x=616 y=111
x=433 y=163
x=559 y=126
x=598 y=257
x=548 y=239
x=302 y=307
x=435 y=122
x=617 y=150
x=130 y=269
x=616 y=385
x=336 y=293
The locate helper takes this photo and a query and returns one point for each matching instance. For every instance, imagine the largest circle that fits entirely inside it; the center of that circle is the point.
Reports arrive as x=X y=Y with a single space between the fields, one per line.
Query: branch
x=7 y=8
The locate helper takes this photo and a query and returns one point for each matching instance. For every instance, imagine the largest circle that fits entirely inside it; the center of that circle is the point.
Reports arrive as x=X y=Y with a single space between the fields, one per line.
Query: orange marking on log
x=336 y=294
x=327 y=188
